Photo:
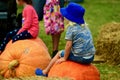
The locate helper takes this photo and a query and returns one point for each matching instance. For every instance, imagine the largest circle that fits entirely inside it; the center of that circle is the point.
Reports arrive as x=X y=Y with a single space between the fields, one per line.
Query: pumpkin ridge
x=3 y=71
x=5 y=60
x=27 y=65
x=8 y=57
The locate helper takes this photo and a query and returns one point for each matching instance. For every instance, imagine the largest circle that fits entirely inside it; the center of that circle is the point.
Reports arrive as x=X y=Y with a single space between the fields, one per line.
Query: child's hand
x=60 y=60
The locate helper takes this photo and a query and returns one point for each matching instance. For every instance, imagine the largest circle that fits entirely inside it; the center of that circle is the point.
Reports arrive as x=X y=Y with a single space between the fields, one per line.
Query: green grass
x=108 y=72
x=98 y=13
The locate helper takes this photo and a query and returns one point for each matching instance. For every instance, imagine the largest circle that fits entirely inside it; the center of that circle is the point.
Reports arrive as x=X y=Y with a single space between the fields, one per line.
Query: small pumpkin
x=74 y=71
x=23 y=57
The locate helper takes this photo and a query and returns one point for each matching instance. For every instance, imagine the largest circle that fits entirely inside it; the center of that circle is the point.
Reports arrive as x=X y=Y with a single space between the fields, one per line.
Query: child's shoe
x=40 y=73
x=54 y=53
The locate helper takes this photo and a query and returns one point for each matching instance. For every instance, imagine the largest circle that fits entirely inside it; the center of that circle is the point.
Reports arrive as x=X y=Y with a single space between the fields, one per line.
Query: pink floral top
x=53 y=20
x=30 y=21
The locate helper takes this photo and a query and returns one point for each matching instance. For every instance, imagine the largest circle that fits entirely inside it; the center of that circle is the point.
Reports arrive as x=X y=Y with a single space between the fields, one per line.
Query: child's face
x=19 y=2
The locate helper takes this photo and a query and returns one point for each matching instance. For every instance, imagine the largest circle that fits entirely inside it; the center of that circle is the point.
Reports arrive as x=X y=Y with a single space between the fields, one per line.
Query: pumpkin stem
x=13 y=64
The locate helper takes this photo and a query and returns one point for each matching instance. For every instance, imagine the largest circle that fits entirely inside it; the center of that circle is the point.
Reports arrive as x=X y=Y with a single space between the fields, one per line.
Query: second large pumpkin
x=75 y=71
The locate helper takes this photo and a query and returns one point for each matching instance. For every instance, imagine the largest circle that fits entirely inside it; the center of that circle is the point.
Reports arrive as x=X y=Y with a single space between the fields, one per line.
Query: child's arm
x=67 y=52
x=67 y=49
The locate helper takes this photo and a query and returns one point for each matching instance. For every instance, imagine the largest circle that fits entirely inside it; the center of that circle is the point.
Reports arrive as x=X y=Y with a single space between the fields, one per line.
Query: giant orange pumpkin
x=75 y=71
x=23 y=57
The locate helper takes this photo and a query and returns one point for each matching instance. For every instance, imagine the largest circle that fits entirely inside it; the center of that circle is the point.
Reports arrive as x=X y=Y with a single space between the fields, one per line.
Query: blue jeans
x=77 y=59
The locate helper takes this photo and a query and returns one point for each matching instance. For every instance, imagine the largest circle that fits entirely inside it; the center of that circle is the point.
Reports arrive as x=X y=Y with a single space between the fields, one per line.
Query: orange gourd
x=23 y=57
x=75 y=71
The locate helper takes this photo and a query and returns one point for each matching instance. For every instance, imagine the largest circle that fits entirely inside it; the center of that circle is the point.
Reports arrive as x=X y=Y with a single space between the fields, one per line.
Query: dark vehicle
x=8 y=12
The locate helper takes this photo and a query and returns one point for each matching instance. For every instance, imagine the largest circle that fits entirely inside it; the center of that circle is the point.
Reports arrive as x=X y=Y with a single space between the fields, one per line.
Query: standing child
x=30 y=25
x=79 y=44
x=54 y=23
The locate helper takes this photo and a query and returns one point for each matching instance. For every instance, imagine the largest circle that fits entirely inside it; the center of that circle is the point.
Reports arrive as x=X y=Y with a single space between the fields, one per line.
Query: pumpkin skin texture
x=22 y=57
x=75 y=71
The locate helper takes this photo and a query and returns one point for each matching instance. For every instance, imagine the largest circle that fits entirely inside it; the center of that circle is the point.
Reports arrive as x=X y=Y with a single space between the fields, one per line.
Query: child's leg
x=47 y=69
x=55 y=41
x=23 y=35
x=7 y=39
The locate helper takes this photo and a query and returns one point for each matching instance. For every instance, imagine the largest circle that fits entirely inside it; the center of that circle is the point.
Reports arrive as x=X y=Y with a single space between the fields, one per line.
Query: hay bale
x=36 y=78
x=108 y=43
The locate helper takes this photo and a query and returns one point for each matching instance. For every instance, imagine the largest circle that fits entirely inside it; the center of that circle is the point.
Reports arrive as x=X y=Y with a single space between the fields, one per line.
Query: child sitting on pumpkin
x=79 y=43
x=30 y=25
